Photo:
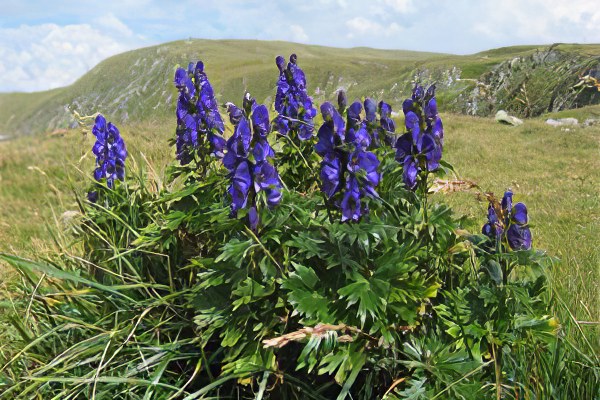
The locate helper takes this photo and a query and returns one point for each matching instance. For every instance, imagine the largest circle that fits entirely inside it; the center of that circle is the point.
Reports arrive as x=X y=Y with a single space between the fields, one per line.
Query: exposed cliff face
x=544 y=81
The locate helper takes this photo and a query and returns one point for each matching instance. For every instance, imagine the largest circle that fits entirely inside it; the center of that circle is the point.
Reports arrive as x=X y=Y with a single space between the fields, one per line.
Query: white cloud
x=298 y=34
x=37 y=57
x=539 y=21
x=360 y=26
x=401 y=6
x=47 y=56
x=113 y=25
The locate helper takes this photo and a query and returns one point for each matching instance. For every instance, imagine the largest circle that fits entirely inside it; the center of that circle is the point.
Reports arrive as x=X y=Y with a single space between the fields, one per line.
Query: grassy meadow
x=553 y=171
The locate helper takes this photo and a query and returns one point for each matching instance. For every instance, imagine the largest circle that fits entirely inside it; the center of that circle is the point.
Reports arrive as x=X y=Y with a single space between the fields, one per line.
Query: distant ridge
x=137 y=85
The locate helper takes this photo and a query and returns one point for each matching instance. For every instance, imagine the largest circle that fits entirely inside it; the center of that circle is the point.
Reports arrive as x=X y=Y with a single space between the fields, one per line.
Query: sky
x=46 y=44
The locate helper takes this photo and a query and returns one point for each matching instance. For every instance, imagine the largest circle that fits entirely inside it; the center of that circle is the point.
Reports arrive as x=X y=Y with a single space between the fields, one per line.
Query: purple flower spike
x=250 y=177
x=420 y=148
x=198 y=118
x=292 y=103
x=110 y=152
x=513 y=225
x=347 y=167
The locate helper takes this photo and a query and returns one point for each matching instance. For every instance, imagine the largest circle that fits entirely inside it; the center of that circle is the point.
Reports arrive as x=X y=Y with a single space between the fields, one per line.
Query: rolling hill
x=137 y=85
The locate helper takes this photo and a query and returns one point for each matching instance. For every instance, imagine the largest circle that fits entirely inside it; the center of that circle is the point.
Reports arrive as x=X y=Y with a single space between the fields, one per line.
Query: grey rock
x=562 y=122
x=503 y=117
x=591 y=122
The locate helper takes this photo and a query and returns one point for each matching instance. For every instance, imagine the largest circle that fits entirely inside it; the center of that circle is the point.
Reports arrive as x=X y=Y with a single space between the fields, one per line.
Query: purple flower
x=198 y=118
x=250 y=177
x=241 y=181
x=353 y=114
x=418 y=93
x=350 y=204
x=260 y=120
x=110 y=152
x=493 y=228
x=347 y=166
x=267 y=179
x=92 y=196
x=363 y=166
x=411 y=172
x=507 y=204
x=238 y=145
x=519 y=237
x=292 y=103
x=331 y=170
x=420 y=148
x=387 y=123
x=370 y=110
x=512 y=226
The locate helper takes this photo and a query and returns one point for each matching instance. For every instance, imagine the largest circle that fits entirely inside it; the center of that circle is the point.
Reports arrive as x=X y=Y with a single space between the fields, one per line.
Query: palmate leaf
x=416 y=390
x=370 y=295
x=236 y=250
x=249 y=291
x=308 y=245
x=346 y=363
x=304 y=295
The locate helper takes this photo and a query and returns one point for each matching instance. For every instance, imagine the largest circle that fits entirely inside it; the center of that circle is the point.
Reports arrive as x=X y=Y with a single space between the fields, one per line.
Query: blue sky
x=48 y=44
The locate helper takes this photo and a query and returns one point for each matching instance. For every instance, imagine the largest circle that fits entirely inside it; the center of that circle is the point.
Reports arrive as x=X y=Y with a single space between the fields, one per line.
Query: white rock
x=562 y=121
x=503 y=117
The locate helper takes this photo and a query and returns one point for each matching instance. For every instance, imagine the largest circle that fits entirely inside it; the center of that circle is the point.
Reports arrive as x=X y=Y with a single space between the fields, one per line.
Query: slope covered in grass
x=137 y=85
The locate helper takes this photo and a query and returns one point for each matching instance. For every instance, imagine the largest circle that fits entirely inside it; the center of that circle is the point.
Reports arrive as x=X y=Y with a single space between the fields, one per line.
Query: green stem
x=300 y=153
x=267 y=252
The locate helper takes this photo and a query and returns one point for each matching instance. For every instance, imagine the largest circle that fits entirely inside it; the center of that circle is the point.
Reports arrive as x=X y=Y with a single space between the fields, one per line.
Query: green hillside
x=136 y=85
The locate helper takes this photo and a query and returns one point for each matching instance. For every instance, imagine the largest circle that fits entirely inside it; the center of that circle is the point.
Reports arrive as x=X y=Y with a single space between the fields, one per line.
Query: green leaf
x=370 y=295
x=494 y=269
x=28 y=267
x=235 y=250
x=303 y=294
